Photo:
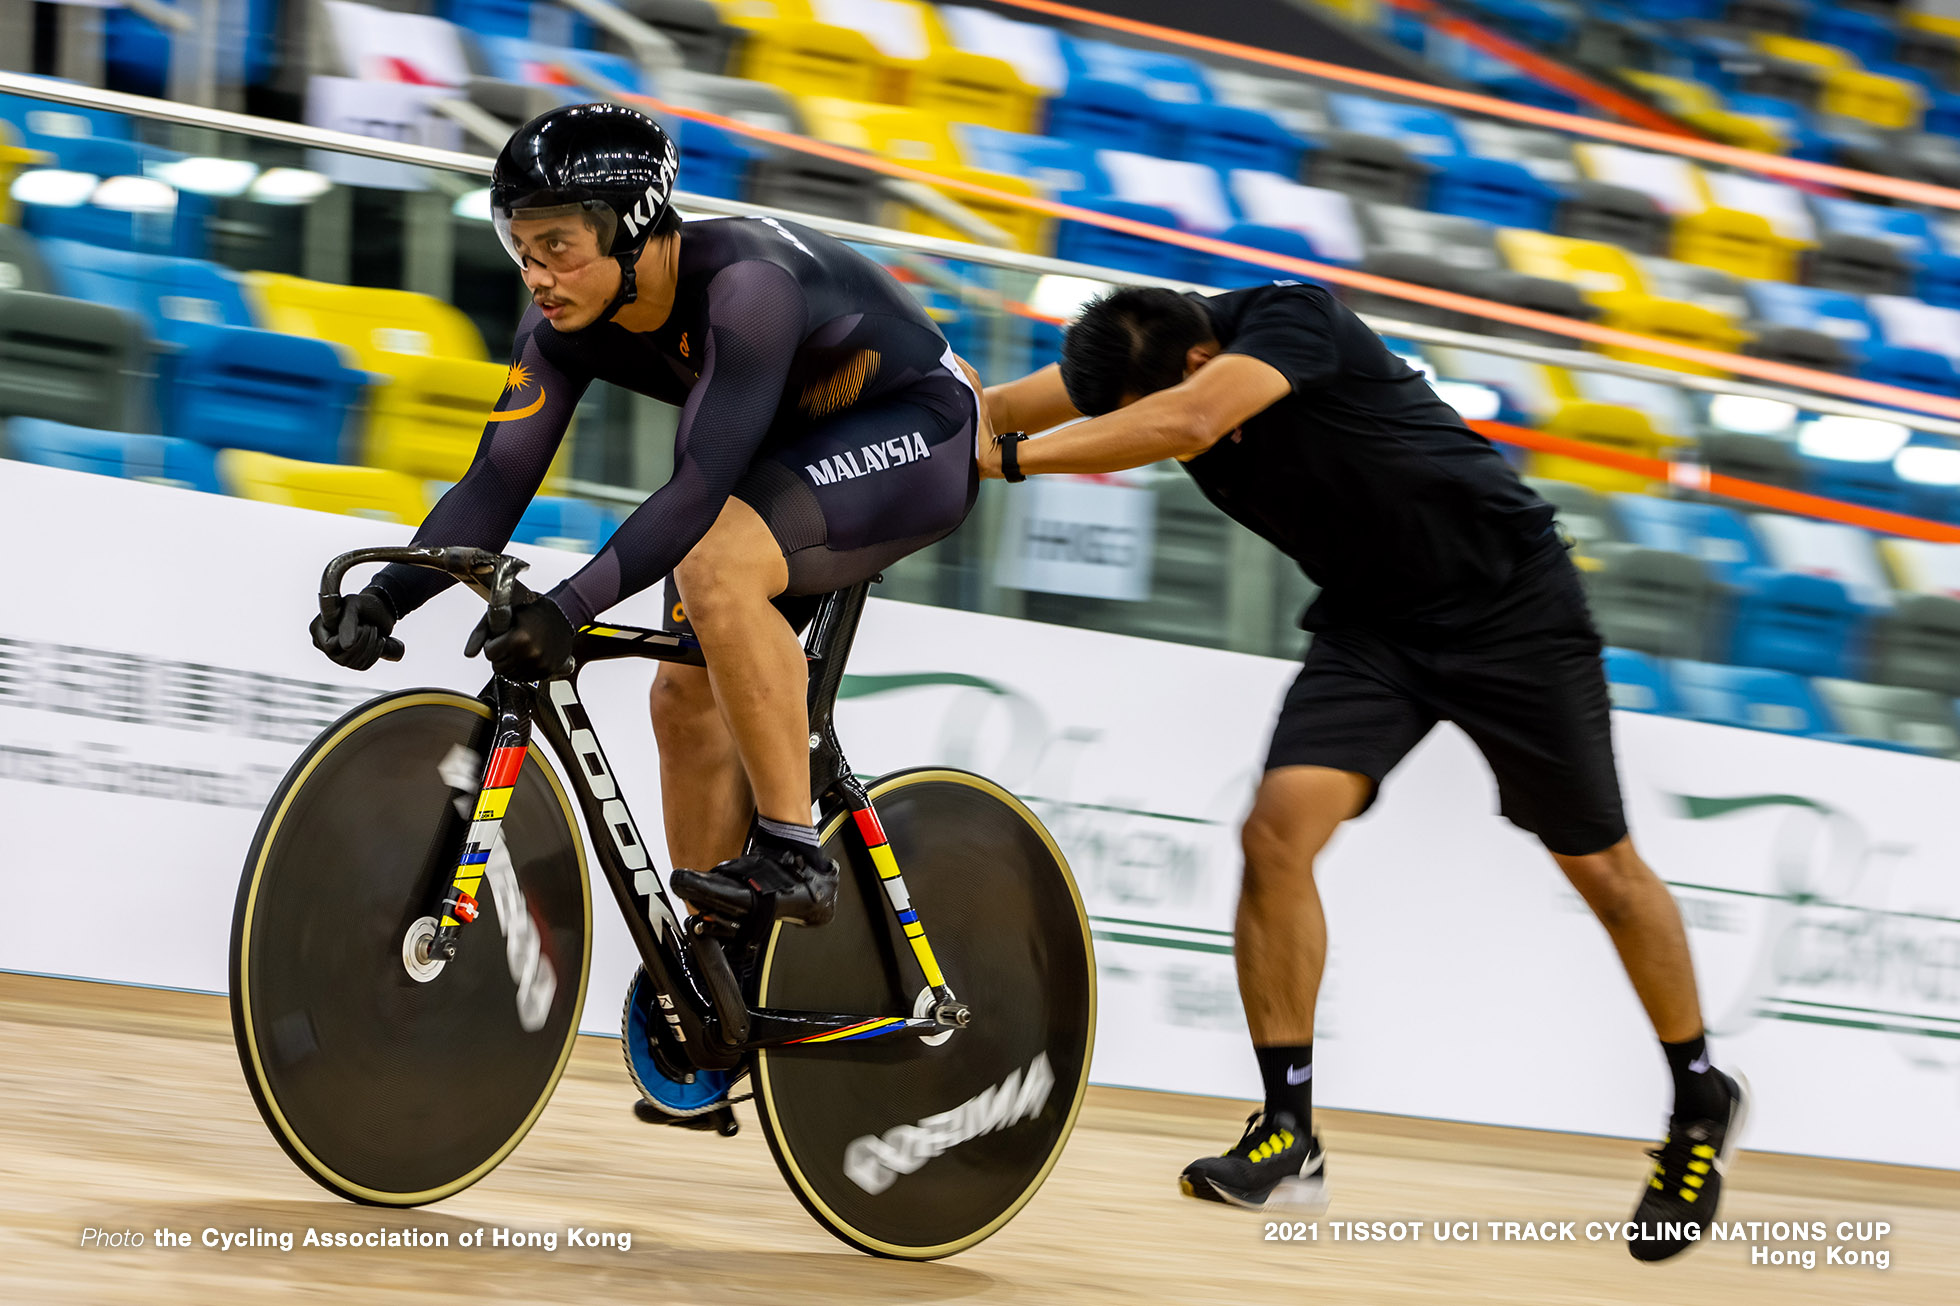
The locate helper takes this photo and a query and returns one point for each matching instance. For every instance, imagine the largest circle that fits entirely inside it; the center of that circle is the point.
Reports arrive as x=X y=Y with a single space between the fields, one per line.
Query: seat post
x=829 y=646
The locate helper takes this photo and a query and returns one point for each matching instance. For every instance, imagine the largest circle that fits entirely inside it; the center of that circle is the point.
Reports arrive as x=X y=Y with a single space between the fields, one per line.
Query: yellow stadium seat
x=324 y=487
x=381 y=327
x=918 y=65
x=1600 y=271
x=1742 y=244
x=925 y=141
x=1890 y=102
x=975 y=88
x=12 y=159
x=1745 y=131
x=1699 y=106
x=963 y=87
x=786 y=47
x=1797 y=49
x=754 y=14
x=1671 y=319
x=432 y=384
x=1934 y=23
x=1735 y=240
x=429 y=420
x=895 y=131
x=1611 y=426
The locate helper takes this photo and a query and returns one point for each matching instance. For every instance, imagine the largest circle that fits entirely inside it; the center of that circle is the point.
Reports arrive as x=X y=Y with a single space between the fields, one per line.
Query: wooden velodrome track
x=123 y=1108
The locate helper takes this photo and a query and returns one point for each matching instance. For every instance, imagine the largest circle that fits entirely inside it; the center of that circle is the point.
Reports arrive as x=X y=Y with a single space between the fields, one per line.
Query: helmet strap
x=629 y=287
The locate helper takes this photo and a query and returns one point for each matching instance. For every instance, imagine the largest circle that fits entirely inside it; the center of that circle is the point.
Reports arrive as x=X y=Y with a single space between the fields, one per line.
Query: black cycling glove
x=357 y=631
x=536 y=643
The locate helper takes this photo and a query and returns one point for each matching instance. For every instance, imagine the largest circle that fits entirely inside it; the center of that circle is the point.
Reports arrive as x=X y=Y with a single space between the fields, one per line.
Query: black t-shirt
x=1409 y=521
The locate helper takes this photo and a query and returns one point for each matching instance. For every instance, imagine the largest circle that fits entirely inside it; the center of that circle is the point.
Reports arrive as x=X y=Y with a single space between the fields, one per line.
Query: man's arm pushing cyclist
x=1219 y=392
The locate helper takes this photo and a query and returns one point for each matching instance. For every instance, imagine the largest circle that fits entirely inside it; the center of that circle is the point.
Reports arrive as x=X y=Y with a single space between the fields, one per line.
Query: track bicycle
x=411 y=946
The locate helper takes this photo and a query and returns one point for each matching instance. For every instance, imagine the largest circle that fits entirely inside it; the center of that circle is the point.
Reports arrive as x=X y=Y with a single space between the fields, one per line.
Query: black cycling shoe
x=783 y=884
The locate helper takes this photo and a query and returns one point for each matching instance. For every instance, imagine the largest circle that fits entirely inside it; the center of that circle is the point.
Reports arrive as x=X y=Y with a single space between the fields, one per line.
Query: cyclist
x=1446 y=595
x=826 y=431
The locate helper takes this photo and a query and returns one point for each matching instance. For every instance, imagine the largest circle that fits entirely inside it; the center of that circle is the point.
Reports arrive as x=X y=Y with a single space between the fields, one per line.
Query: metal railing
x=479 y=165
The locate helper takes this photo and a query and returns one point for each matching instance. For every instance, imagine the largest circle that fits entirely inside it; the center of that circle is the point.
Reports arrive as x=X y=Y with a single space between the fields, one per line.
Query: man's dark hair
x=1130 y=342
x=667 y=223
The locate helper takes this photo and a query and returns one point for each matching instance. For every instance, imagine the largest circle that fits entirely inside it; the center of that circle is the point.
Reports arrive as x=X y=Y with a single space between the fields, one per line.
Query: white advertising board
x=1067 y=536
x=155 y=681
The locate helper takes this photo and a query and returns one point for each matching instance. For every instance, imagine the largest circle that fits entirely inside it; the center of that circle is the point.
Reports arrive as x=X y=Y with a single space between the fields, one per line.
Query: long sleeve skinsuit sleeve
x=756 y=318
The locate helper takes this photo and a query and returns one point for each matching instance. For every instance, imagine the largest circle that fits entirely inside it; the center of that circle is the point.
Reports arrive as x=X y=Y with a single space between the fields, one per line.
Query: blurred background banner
x=1079 y=536
x=140 y=737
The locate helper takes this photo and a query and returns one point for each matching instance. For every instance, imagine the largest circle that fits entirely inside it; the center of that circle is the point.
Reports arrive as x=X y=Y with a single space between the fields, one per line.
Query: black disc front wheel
x=919 y=1147
x=386 y=1081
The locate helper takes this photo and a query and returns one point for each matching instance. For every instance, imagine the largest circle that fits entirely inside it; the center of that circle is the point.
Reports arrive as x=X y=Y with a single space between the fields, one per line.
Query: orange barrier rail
x=1694 y=476
x=1916 y=192
x=1549 y=71
x=1784 y=374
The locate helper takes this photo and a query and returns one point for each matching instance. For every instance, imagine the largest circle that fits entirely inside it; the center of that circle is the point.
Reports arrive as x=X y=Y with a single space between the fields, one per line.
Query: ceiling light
x=55 y=187
x=135 y=195
x=289 y=186
x=1853 y=439
x=224 y=178
x=1751 y=416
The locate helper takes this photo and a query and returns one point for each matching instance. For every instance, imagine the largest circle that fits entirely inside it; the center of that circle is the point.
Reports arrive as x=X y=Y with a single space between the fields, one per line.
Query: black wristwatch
x=1010 y=455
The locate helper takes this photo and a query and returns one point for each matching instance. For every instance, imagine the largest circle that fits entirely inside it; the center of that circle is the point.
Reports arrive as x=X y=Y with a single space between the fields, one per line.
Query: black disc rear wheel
x=383 y=1087
x=917 y=1149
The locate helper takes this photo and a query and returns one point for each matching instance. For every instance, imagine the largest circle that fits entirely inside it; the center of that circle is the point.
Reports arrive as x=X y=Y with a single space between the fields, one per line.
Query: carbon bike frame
x=694 y=985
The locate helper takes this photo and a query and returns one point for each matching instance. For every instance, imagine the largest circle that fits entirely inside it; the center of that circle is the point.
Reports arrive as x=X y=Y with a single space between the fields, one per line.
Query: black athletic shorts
x=851 y=494
x=1524 y=681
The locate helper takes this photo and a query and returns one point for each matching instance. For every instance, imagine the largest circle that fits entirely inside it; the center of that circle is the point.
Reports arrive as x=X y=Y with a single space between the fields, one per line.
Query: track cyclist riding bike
x=826 y=431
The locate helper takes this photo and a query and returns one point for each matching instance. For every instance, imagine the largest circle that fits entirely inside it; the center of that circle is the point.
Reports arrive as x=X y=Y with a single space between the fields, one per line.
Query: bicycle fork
x=510 y=740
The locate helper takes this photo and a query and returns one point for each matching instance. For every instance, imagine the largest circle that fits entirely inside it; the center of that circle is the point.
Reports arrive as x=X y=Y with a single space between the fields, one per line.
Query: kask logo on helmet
x=648 y=206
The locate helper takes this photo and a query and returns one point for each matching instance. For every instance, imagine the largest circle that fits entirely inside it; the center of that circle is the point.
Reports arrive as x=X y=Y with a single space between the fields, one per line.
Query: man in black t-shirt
x=1445 y=595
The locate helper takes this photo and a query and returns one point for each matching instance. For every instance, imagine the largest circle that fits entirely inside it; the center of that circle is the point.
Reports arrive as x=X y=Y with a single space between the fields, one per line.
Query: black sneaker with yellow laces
x=1277 y=1164
x=1681 y=1195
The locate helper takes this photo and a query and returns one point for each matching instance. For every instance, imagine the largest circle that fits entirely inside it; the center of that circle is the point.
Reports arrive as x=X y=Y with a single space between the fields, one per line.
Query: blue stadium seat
x=1716 y=535
x=1070 y=172
x=1233 y=273
x=1868 y=484
x=560 y=523
x=520 y=59
x=1871 y=38
x=1938 y=277
x=136 y=52
x=1123 y=99
x=1782 y=619
x=1750 y=697
x=1066 y=168
x=1639 y=683
x=1464 y=185
x=115 y=453
x=1497 y=76
x=714 y=161
x=1794 y=622
x=519 y=18
x=44 y=125
x=1228 y=136
x=222 y=381
x=1534 y=21
x=1796 y=123
x=1836 y=313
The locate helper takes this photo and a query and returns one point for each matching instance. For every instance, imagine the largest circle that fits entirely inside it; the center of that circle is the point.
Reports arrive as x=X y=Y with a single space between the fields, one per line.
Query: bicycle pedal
x=721 y=1120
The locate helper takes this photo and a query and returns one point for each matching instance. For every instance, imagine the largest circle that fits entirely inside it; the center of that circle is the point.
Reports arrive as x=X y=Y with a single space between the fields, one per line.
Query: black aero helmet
x=612 y=164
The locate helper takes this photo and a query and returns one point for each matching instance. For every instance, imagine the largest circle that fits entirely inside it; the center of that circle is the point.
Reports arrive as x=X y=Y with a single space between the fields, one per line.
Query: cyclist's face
x=569 y=277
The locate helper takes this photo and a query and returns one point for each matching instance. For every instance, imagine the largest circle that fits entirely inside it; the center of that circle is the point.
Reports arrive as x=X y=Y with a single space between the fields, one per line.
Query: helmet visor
x=560 y=237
